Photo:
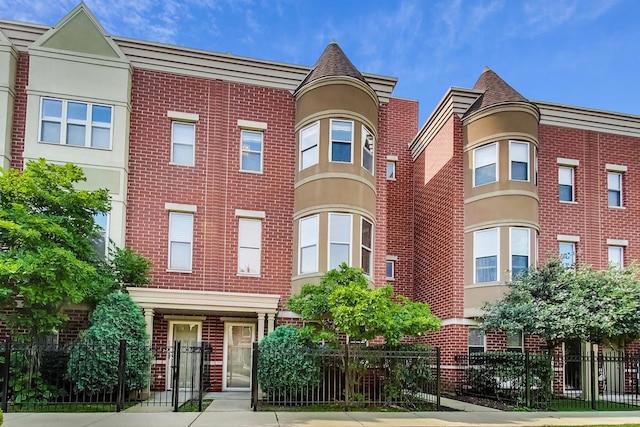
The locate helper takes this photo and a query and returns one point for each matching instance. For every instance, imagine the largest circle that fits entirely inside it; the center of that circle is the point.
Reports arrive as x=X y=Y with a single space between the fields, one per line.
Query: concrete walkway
x=232 y=410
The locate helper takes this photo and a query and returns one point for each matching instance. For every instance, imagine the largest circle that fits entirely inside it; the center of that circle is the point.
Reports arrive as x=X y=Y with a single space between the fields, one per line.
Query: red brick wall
x=215 y=184
x=590 y=218
x=397 y=125
x=19 y=111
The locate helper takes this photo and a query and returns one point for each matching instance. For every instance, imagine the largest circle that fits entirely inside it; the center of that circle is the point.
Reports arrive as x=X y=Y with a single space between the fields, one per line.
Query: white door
x=238 y=338
x=189 y=334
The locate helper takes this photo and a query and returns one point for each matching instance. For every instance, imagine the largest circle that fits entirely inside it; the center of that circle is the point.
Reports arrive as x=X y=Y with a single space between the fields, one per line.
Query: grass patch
x=576 y=405
x=68 y=407
x=192 y=405
x=339 y=407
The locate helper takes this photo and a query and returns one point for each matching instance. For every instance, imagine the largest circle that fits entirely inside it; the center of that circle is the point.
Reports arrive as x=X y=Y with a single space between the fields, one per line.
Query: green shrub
x=286 y=364
x=93 y=361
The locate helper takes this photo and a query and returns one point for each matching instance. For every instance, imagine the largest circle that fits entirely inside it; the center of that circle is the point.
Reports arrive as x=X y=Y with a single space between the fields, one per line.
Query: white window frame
x=180 y=239
x=571 y=244
x=64 y=121
x=512 y=250
x=618 y=178
x=477 y=237
x=314 y=241
x=520 y=338
x=480 y=334
x=620 y=251
x=347 y=242
x=368 y=136
x=104 y=230
x=175 y=143
x=572 y=172
x=487 y=147
x=350 y=142
x=391 y=176
x=512 y=159
x=255 y=245
x=247 y=150
x=364 y=248
x=313 y=148
x=390 y=263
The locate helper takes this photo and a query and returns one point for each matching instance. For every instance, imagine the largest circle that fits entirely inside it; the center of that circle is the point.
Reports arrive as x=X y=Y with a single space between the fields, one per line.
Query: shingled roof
x=496 y=91
x=332 y=63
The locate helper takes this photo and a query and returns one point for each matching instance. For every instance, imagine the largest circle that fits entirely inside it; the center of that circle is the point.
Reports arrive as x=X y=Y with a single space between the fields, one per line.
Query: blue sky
x=575 y=52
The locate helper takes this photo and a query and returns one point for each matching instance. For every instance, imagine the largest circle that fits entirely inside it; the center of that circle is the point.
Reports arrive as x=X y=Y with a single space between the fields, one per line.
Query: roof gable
x=80 y=32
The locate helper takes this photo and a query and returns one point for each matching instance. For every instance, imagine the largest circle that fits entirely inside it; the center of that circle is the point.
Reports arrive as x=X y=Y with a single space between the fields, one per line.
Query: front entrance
x=237 y=356
x=189 y=333
x=573 y=365
x=612 y=369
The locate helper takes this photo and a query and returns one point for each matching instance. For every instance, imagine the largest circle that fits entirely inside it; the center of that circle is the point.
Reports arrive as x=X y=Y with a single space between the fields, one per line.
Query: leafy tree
x=344 y=303
x=47 y=260
x=93 y=361
x=561 y=304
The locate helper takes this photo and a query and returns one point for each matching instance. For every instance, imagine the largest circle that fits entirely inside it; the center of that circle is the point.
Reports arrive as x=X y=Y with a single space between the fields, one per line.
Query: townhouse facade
x=242 y=179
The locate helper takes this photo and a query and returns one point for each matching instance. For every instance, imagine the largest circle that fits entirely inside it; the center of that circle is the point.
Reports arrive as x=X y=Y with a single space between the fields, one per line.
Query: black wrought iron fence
x=357 y=377
x=552 y=381
x=51 y=378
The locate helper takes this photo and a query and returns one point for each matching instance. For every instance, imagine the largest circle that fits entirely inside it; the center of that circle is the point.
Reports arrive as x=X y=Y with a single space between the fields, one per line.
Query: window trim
x=316 y=144
x=364 y=133
x=511 y=253
x=331 y=122
x=528 y=162
x=316 y=243
x=619 y=248
x=618 y=190
x=329 y=241
x=484 y=340
x=392 y=263
x=393 y=175
x=363 y=247
x=571 y=243
x=520 y=347
x=178 y=270
x=63 y=120
x=192 y=145
x=572 y=169
x=497 y=254
x=495 y=162
x=243 y=150
x=242 y=219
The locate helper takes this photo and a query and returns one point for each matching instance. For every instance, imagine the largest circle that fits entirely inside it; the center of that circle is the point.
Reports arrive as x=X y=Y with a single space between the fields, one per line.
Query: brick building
x=242 y=179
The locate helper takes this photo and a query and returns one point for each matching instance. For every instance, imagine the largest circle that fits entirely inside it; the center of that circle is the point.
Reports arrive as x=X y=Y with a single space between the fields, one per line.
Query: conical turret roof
x=332 y=63
x=496 y=91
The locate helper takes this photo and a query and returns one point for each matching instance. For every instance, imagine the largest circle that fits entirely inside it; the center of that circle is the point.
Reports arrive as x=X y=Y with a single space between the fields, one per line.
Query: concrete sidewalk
x=319 y=419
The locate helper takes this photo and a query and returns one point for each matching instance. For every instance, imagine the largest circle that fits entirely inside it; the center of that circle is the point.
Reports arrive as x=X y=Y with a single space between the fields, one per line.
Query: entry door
x=188 y=333
x=573 y=365
x=238 y=338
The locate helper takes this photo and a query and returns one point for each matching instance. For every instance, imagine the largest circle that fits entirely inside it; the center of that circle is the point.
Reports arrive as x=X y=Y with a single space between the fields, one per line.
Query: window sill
x=253 y=172
x=390 y=279
x=248 y=274
x=170 y=270
x=486 y=183
x=74 y=146
x=620 y=208
x=182 y=164
x=566 y=202
x=391 y=179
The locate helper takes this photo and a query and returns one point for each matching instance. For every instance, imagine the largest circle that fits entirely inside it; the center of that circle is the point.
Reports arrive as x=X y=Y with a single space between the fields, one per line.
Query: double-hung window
x=515 y=341
x=341 y=141
x=100 y=242
x=476 y=340
x=366 y=247
x=390 y=268
x=309 y=140
x=367 y=149
x=182 y=143
x=180 y=241
x=485 y=165
x=485 y=254
x=308 y=237
x=567 y=251
x=339 y=240
x=614 y=189
x=519 y=241
x=519 y=161
x=566 y=183
x=251 y=145
x=249 y=245
x=75 y=123
x=391 y=170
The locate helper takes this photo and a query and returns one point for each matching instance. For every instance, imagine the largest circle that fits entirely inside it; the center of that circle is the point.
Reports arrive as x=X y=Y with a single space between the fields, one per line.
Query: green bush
x=93 y=361
x=286 y=364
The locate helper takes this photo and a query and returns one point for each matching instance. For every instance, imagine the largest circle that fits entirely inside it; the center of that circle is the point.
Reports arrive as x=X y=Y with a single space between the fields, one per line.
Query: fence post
x=122 y=360
x=254 y=376
x=5 y=373
x=527 y=377
x=437 y=378
x=594 y=384
x=175 y=381
x=346 y=376
x=201 y=377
